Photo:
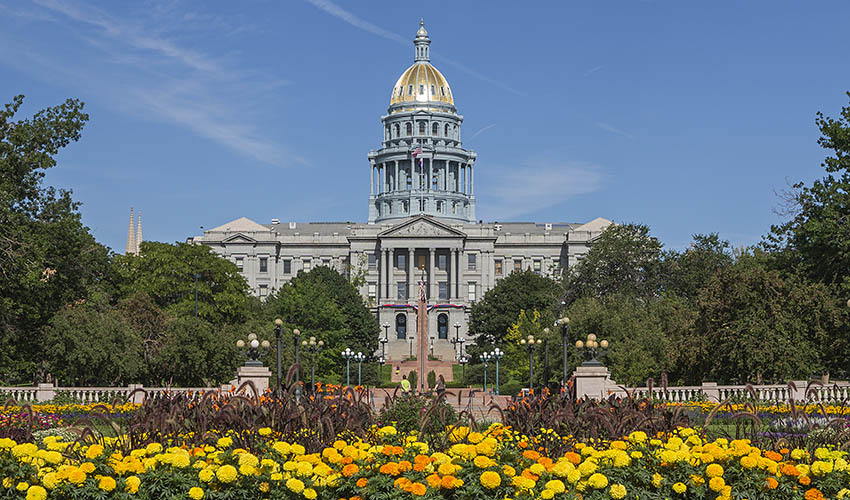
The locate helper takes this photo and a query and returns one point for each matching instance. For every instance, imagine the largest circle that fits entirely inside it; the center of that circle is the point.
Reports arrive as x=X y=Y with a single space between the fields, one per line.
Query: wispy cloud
x=614 y=130
x=358 y=22
x=481 y=130
x=511 y=192
x=593 y=70
x=140 y=67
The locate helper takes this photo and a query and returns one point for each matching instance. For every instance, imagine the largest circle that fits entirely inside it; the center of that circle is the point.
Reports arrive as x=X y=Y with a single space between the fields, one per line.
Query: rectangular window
x=264 y=264
x=373 y=260
x=471 y=261
x=264 y=291
x=538 y=266
x=402 y=290
x=497 y=265
x=444 y=290
x=287 y=266
x=517 y=265
x=240 y=264
x=401 y=261
x=373 y=290
x=442 y=260
x=471 y=291
x=308 y=264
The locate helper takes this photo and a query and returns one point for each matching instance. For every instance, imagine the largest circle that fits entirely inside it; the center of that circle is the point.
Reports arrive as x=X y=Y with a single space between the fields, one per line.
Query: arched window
x=410 y=90
x=443 y=326
x=435 y=129
x=421 y=128
x=409 y=129
x=388 y=133
x=401 y=326
x=433 y=91
x=447 y=130
x=396 y=130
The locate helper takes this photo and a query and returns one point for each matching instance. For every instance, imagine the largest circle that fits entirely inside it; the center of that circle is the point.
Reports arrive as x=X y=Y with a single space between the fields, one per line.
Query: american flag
x=417 y=154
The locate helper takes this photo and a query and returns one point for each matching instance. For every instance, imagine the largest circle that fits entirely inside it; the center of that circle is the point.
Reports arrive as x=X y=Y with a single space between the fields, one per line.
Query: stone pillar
x=389 y=266
x=711 y=392
x=430 y=173
x=452 y=280
x=591 y=381
x=472 y=179
x=381 y=274
x=372 y=179
x=135 y=394
x=431 y=276
x=411 y=273
x=259 y=375
x=44 y=392
x=457 y=272
x=396 y=180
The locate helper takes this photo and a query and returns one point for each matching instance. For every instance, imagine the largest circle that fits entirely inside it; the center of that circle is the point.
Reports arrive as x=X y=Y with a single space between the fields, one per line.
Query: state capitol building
x=421 y=225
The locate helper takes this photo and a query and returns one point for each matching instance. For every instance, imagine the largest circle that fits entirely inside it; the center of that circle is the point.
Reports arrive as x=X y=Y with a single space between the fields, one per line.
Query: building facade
x=421 y=226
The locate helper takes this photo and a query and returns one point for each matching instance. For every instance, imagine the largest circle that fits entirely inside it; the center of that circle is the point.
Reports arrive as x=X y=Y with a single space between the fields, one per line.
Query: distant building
x=134 y=237
x=421 y=225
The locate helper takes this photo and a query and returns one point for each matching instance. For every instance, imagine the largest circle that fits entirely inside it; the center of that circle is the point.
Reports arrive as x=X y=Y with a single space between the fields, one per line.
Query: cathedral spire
x=139 y=236
x=131 y=237
x=422 y=51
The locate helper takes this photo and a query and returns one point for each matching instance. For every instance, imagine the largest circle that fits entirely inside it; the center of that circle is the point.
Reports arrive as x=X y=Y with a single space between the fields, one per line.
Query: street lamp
x=348 y=354
x=485 y=357
x=496 y=355
x=590 y=348
x=314 y=347
x=360 y=358
x=456 y=341
x=253 y=349
x=278 y=335
x=296 y=336
x=529 y=343
x=410 y=354
x=463 y=360
x=564 y=324
x=384 y=342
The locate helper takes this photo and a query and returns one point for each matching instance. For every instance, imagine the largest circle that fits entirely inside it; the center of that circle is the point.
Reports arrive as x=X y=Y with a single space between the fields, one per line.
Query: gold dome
x=422 y=83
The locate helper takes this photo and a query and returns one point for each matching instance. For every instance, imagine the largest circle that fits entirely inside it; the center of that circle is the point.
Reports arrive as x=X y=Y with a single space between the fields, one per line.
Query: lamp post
x=348 y=354
x=529 y=343
x=564 y=324
x=485 y=357
x=410 y=354
x=381 y=361
x=278 y=335
x=359 y=357
x=384 y=342
x=497 y=354
x=296 y=336
x=252 y=353
x=431 y=346
x=591 y=348
x=463 y=360
x=314 y=347
x=456 y=341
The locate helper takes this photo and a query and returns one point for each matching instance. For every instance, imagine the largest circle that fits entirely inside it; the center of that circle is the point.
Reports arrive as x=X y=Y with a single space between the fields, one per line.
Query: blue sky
x=686 y=116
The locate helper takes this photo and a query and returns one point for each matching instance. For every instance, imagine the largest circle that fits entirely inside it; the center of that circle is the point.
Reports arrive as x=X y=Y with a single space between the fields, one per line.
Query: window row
x=437 y=130
x=401 y=326
x=306 y=264
x=386 y=208
x=442 y=291
x=411 y=90
x=500 y=266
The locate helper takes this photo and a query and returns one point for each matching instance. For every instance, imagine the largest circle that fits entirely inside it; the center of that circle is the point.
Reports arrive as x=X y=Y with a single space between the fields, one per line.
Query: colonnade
x=394 y=175
x=386 y=273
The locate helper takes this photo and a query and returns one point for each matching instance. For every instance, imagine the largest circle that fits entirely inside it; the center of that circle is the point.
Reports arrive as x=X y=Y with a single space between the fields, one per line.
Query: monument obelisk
x=422 y=326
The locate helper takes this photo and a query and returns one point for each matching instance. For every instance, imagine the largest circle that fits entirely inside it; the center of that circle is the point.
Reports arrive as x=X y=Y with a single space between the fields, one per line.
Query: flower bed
x=386 y=464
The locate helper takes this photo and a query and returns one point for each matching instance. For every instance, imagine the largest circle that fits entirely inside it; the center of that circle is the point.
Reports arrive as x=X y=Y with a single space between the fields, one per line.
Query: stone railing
x=133 y=393
x=596 y=382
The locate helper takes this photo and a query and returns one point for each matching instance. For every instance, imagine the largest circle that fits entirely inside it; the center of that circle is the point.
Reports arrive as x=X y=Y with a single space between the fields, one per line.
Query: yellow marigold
x=132 y=483
x=716 y=483
x=483 y=462
x=226 y=474
x=657 y=480
x=447 y=468
x=537 y=469
x=749 y=462
x=196 y=493
x=556 y=486
x=547 y=494
x=106 y=483
x=310 y=494
x=264 y=431
x=490 y=479
x=798 y=454
x=597 y=481
x=617 y=491
x=36 y=492
x=295 y=485
x=574 y=476
x=475 y=437
x=94 y=451
x=637 y=437
x=206 y=475
x=508 y=471
x=87 y=467
x=22 y=486
x=180 y=461
x=680 y=488
x=714 y=470
x=387 y=430
x=76 y=476
x=247 y=470
x=50 y=481
x=224 y=442
x=153 y=448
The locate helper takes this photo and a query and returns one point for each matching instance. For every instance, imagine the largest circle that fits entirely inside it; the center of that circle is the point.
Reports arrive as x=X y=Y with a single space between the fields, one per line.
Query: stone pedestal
x=592 y=381
x=259 y=375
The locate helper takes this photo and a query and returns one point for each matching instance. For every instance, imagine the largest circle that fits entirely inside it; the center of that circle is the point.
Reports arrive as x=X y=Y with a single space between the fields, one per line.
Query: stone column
x=372 y=179
x=395 y=168
x=472 y=179
x=431 y=276
x=411 y=273
x=389 y=266
x=457 y=273
x=430 y=173
x=591 y=381
x=452 y=280
x=381 y=274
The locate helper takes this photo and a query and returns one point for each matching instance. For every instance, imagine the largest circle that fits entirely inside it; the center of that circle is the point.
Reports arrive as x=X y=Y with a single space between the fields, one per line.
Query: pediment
x=239 y=238
x=422 y=227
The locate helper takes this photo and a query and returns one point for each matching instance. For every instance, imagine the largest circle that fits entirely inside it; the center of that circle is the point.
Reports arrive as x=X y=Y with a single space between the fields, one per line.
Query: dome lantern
x=422 y=44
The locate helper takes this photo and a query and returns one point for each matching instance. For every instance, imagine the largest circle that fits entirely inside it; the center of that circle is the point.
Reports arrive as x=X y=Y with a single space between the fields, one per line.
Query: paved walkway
x=467 y=399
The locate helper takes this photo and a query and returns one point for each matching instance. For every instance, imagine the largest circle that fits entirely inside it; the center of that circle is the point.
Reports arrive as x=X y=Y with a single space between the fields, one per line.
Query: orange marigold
x=573 y=457
x=545 y=462
x=776 y=457
x=789 y=470
x=402 y=483
x=771 y=483
x=805 y=480
x=433 y=480
x=448 y=482
x=531 y=454
x=813 y=494
x=350 y=470
x=362 y=482
x=784 y=451
x=422 y=459
x=389 y=468
x=404 y=466
x=417 y=489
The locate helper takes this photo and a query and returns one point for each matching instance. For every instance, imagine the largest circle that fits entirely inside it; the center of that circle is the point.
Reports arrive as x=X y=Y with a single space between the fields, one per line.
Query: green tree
x=48 y=258
x=815 y=240
x=625 y=259
x=197 y=353
x=167 y=273
x=90 y=344
x=691 y=270
x=492 y=316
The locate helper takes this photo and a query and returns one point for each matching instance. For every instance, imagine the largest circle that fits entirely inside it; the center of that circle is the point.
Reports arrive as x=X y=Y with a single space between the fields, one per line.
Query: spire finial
x=421 y=43
x=139 y=236
x=130 y=249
